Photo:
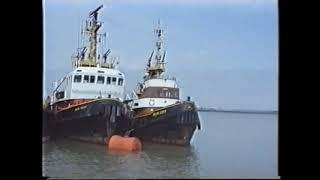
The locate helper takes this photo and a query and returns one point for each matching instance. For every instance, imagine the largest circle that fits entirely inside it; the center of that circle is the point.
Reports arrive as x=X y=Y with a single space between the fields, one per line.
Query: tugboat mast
x=159 y=32
x=84 y=58
x=92 y=29
x=88 y=55
x=155 y=71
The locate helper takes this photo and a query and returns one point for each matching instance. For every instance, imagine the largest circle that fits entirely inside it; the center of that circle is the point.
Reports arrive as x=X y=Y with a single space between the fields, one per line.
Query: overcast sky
x=224 y=53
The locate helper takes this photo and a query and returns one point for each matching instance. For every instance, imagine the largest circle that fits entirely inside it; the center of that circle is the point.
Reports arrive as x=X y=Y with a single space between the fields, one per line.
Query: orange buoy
x=124 y=143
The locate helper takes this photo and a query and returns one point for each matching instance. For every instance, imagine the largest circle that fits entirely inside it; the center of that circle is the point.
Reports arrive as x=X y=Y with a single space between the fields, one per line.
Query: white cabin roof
x=97 y=70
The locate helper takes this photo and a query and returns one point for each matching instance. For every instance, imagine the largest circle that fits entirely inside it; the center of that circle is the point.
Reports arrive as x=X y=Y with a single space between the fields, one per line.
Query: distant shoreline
x=238 y=111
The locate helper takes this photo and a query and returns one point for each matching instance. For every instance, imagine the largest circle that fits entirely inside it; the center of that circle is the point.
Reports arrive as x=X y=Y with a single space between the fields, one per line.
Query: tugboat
x=87 y=103
x=157 y=112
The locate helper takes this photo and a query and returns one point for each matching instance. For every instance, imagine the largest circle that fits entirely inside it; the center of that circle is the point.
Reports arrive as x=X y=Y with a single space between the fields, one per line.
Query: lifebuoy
x=151 y=102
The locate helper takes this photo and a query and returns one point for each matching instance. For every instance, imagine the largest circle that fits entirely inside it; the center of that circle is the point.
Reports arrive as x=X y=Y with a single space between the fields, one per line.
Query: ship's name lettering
x=159 y=113
x=79 y=108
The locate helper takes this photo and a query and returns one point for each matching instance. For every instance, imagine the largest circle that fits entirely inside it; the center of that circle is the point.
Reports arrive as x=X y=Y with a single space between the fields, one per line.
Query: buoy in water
x=124 y=143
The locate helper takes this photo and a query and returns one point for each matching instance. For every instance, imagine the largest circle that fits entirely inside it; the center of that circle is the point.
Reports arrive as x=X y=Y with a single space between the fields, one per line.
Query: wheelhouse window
x=86 y=79
x=108 y=80
x=167 y=93
x=120 y=82
x=100 y=80
x=114 y=81
x=92 y=79
x=77 y=78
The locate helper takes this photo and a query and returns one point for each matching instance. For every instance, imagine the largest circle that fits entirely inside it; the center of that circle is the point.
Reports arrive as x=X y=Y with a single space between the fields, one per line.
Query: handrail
x=60 y=84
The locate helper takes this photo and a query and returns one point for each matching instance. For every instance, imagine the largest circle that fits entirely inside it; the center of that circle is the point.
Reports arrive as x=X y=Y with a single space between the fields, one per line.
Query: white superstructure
x=94 y=74
x=156 y=90
x=91 y=83
x=161 y=83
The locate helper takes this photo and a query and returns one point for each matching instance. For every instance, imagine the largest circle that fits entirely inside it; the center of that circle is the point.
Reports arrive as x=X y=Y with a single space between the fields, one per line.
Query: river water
x=229 y=145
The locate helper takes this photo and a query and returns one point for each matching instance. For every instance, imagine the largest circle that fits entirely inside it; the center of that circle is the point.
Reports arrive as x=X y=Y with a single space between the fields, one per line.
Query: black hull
x=174 y=124
x=47 y=124
x=94 y=120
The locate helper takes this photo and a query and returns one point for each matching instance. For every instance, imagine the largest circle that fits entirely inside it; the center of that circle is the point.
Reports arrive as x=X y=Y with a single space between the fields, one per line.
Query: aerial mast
x=159 y=32
x=158 y=67
x=93 y=28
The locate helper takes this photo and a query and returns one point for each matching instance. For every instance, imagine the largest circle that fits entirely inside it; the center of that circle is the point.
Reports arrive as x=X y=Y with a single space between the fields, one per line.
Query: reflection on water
x=229 y=145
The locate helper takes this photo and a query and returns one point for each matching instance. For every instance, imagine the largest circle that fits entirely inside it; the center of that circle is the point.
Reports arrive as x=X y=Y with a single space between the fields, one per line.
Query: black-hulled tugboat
x=158 y=114
x=87 y=104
